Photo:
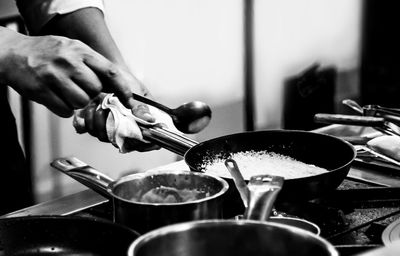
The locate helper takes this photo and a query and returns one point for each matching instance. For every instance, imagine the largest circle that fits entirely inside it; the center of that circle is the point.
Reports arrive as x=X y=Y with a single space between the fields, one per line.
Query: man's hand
x=64 y=74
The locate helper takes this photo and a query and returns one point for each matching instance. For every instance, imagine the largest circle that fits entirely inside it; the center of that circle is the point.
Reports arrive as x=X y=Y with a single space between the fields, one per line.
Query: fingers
x=142 y=111
x=112 y=77
x=57 y=105
x=95 y=122
x=72 y=94
x=87 y=80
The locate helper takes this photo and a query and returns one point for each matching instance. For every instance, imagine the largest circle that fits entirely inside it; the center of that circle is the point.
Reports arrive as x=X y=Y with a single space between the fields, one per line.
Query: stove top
x=352 y=217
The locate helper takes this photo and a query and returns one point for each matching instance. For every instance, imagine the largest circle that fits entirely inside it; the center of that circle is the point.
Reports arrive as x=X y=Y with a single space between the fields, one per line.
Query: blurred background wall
x=186 y=50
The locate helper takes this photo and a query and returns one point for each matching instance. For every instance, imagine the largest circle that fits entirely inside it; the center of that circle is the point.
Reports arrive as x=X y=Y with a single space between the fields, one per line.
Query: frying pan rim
x=311 y=133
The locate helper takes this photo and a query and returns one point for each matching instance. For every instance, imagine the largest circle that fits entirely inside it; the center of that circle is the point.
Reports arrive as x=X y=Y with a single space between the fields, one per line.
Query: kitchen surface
x=362 y=214
x=282 y=137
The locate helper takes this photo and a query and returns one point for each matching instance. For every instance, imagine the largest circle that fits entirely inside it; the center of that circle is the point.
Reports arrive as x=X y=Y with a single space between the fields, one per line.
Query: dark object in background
x=306 y=94
x=380 y=53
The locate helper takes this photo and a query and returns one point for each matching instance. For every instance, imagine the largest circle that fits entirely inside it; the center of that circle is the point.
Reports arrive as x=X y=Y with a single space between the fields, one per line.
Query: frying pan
x=63 y=235
x=322 y=150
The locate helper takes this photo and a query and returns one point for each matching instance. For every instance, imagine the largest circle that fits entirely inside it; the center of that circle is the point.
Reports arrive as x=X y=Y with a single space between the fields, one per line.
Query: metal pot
x=144 y=216
x=236 y=237
x=63 y=235
x=230 y=238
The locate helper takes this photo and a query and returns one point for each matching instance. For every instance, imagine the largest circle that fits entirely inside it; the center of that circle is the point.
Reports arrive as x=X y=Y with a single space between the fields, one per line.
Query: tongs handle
x=168 y=139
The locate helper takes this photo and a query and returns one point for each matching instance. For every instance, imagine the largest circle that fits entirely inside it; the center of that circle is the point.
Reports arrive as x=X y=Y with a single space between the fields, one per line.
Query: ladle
x=238 y=180
x=190 y=117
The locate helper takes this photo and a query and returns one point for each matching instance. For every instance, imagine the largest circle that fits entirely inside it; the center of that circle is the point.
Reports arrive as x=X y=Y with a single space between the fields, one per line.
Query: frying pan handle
x=84 y=174
x=349 y=119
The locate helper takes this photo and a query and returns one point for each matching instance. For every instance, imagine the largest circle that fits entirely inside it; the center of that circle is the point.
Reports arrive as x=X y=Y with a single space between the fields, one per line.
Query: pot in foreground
x=230 y=238
x=127 y=193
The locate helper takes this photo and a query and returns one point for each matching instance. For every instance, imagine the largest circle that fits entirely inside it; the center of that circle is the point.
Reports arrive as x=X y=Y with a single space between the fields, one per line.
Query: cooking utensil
x=191 y=117
x=362 y=148
x=372 y=110
x=391 y=233
x=263 y=192
x=234 y=238
x=258 y=188
x=387 y=250
x=230 y=238
x=325 y=151
x=305 y=146
x=353 y=105
x=239 y=181
x=379 y=110
x=349 y=119
x=63 y=235
x=125 y=192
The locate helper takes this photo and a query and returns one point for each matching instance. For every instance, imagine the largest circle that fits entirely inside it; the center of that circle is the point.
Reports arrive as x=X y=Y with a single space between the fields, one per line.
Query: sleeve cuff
x=36 y=14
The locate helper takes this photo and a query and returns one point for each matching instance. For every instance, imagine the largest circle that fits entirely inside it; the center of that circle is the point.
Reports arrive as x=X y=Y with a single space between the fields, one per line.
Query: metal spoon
x=353 y=105
x=238 y=179
x=190 y=117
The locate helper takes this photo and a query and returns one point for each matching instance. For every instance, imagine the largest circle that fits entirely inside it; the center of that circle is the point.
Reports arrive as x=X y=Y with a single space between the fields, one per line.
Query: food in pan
x=163 y=194
x=260 y=163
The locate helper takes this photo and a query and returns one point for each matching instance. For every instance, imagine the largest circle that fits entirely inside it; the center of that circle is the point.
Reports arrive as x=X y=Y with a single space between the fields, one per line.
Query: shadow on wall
x=317 y=90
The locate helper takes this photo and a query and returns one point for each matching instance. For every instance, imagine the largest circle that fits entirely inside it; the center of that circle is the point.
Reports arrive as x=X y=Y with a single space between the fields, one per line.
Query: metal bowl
x=230 y=238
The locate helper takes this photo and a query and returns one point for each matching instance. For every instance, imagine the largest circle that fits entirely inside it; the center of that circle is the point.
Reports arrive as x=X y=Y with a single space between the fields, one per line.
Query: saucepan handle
x=263 y=191
x=349 y=119
x=85 y=174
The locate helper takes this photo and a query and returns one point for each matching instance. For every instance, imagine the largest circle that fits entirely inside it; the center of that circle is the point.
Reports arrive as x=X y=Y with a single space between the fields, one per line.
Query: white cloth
x=36 y=13
x=121 y=124
x=387 y=145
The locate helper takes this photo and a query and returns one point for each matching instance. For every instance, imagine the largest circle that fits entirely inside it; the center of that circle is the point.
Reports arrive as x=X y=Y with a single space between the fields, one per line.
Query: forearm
x=87 y=25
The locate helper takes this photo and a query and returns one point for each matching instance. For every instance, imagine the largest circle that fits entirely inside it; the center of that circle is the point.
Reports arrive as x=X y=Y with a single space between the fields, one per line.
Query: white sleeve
x=36 y=13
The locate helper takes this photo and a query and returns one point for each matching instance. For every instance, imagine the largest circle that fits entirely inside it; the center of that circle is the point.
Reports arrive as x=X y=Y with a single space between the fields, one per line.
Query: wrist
x=8 y=40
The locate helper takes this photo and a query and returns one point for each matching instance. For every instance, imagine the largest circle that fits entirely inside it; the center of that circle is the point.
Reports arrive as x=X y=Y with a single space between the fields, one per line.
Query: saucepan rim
x=113 y=185
x=184 y=226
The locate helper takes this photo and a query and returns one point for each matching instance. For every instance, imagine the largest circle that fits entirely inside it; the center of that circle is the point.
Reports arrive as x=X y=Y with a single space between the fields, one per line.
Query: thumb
x=142 y=111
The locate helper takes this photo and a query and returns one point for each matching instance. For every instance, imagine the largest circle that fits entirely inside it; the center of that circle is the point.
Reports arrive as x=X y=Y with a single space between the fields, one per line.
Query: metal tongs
x=384 y=120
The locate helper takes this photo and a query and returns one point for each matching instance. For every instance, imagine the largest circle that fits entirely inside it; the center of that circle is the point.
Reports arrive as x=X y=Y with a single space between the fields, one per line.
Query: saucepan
x=250 y=236
x=148 y=200
x=322 y=150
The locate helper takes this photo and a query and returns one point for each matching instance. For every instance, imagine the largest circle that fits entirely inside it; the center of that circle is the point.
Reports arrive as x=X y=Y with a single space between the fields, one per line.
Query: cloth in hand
x=121 y=124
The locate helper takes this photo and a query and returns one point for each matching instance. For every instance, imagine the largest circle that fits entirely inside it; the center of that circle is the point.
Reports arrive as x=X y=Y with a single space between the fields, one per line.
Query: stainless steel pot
x=143 y=216
x=254 y=236
x=230 y=238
